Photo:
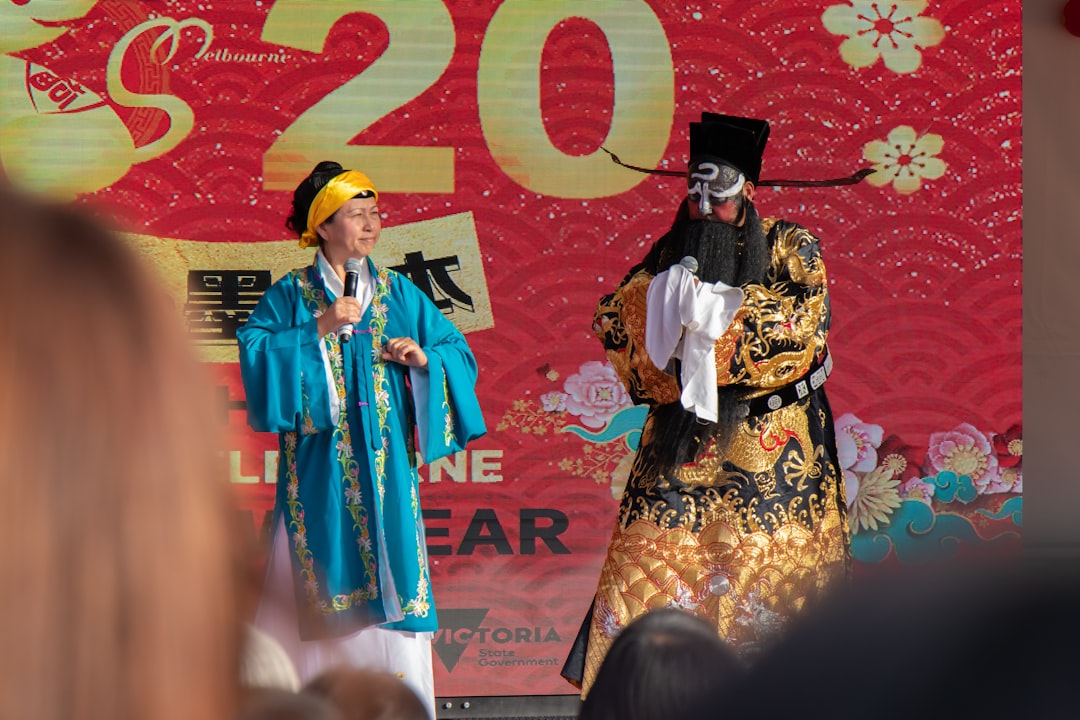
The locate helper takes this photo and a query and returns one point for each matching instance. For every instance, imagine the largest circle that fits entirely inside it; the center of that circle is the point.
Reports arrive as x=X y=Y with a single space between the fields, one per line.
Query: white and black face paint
x=708 y=183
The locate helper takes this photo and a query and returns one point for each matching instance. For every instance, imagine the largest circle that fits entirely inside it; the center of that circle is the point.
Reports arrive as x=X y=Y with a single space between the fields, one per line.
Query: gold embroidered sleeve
x=619 y=323
x=782 y=325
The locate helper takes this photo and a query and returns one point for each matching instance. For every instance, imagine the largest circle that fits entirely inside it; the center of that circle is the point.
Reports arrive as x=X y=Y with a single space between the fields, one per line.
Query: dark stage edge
x=535 y=707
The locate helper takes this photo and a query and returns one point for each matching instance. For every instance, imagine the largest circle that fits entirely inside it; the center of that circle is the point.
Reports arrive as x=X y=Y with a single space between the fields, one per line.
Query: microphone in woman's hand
x=352 y=279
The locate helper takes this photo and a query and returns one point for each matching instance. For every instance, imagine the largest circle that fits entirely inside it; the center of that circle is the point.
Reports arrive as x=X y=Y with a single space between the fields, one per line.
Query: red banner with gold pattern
x=482 y=122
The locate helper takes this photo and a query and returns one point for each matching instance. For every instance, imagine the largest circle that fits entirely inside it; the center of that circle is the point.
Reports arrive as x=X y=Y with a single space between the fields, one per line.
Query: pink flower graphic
x=857 y=443
x=595 y=394
x=965 y=450
x=553 y=401
x=917 y=489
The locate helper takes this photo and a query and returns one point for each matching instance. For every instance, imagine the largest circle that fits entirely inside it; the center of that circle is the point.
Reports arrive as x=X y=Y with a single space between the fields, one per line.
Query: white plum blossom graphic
x=905 y=159
x=892 y=30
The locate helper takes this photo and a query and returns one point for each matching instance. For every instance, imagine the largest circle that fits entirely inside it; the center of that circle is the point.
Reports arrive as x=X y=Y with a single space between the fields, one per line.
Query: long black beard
x=733 y=255
x=726 y=253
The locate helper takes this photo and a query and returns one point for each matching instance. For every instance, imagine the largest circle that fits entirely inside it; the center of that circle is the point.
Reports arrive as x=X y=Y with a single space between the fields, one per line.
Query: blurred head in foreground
x=275 y=703
x=118 y=571
x=368 y=695
x=665 y=664
x=993 y=639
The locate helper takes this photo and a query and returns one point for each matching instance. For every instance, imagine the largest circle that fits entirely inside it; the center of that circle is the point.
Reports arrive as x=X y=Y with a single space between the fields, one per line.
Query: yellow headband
x=331 y=196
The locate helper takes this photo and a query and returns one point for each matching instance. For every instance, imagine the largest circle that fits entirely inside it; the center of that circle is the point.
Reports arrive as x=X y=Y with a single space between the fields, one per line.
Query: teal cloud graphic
x=916 y=534
x=627 y=422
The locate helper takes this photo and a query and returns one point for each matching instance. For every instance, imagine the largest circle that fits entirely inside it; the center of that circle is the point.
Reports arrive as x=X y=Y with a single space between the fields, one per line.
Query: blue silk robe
x=347 y=482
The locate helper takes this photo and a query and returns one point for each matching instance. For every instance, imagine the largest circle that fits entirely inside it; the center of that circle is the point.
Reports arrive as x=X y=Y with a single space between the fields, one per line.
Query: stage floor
x=536 y=707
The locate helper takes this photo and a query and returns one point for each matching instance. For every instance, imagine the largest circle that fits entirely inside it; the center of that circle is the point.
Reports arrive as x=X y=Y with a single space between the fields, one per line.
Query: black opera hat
x=732 y=140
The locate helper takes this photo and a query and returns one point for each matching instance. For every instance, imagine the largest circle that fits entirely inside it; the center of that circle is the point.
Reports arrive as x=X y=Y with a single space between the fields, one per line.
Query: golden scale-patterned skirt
x=744 y=537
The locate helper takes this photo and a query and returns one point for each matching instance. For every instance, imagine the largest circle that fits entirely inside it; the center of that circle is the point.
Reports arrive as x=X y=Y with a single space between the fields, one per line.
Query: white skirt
x=405 y=654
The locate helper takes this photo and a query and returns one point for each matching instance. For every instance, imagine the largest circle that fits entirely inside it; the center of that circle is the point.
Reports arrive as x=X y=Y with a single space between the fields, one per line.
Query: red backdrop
x=189 y=123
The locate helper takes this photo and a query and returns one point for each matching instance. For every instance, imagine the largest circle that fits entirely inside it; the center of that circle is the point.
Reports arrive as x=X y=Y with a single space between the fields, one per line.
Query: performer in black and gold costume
x=734 y=508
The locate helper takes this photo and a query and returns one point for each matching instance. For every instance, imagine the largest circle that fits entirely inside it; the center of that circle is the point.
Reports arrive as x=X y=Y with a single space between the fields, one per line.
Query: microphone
x=690 y=263
x=352 y=279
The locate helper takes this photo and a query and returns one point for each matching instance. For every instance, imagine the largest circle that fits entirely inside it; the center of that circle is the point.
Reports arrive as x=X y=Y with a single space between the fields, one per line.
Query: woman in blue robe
x=352 y=385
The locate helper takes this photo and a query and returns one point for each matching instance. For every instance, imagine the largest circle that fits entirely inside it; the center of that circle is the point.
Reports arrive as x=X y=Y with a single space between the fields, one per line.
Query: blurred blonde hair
x=367 y=694
x=119 y=564
x=265 y=663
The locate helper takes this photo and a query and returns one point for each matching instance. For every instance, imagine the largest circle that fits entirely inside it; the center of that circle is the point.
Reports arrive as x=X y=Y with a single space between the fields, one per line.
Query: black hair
x=953 y=622
x=667 y=663
x=306 y=191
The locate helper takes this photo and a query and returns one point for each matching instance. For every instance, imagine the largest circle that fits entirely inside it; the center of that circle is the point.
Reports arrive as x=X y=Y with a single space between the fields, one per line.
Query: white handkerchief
x=681 y=307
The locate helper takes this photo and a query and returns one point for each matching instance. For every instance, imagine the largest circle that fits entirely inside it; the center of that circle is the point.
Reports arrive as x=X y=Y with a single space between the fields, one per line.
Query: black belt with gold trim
x=792 y=392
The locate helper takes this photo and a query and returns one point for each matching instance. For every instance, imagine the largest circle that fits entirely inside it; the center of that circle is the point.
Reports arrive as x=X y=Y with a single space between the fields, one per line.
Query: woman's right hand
x=343 y=311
